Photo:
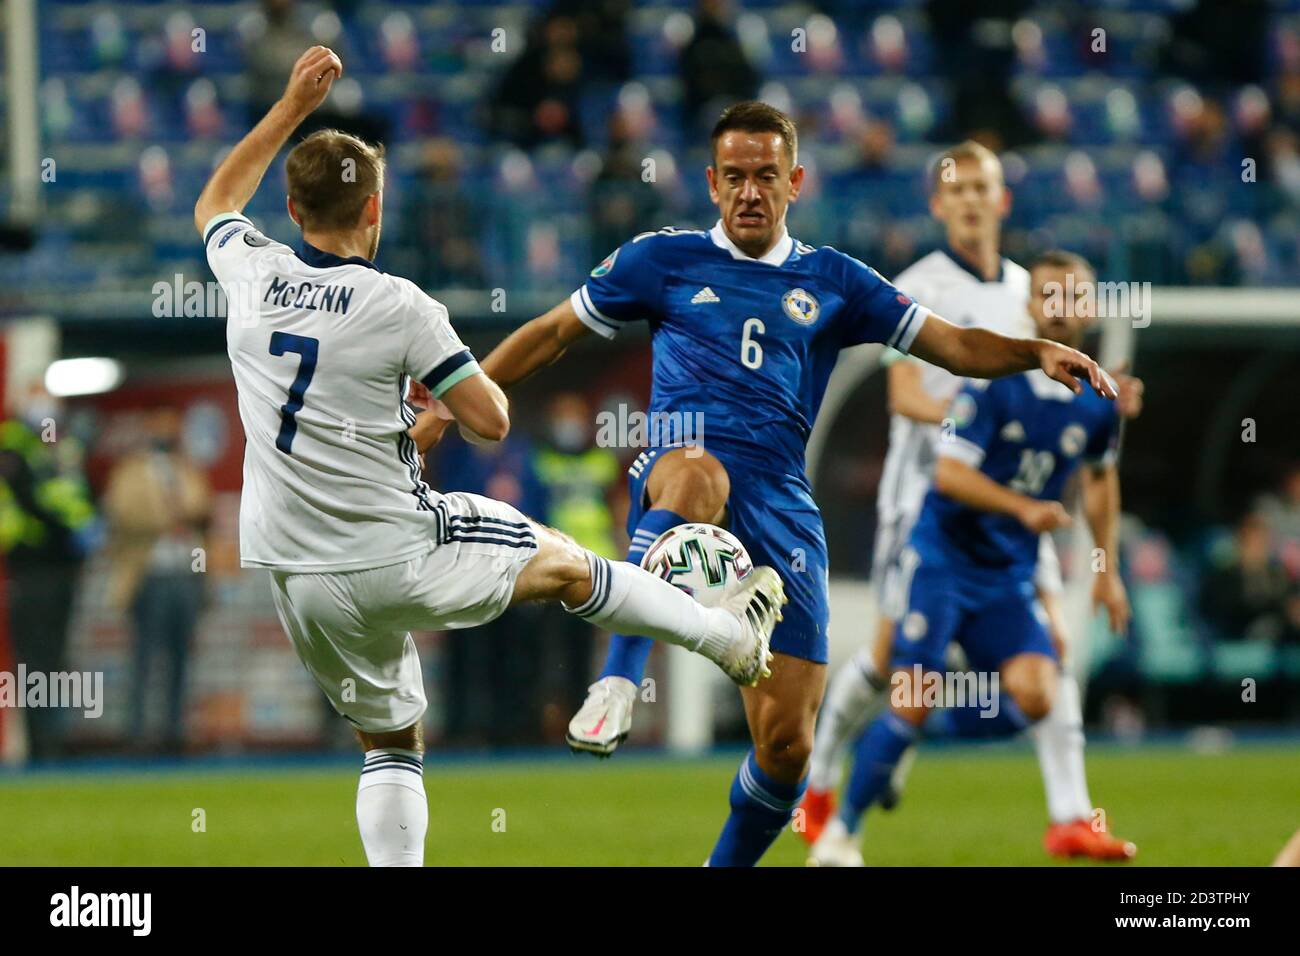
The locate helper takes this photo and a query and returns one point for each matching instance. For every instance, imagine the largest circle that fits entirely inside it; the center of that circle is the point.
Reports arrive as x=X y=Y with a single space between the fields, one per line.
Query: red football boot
x=817 y=807
x=1082 y=838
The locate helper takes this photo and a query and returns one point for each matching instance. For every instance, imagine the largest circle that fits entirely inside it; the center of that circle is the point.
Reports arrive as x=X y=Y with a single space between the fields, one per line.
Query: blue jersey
x=1026 y=432
x=745 y=346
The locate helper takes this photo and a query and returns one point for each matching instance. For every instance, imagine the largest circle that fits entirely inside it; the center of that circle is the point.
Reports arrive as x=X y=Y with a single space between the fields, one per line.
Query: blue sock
x=877 y=754
x=760 y=808
x=971 y=720
x=627 y=655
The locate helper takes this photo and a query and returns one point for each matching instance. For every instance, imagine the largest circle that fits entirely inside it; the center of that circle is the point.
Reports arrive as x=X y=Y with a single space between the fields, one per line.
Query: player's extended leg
x=854 y=698
x=781 y=713
x=682 y=485
x=1073 y=828
x=392 y=810
x=620 y=596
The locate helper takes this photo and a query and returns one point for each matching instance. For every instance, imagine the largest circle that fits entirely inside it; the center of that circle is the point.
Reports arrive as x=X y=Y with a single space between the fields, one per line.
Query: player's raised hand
x=1129 y=403
x=1108 y=590
x=311 y=79
x=1040 y=516
x=1068 y=365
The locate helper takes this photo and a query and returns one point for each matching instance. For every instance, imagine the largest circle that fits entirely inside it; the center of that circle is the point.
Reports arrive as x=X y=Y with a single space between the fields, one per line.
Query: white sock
x=853 y=698
x=627 y=600
x=392 y=811
x=1058 y=737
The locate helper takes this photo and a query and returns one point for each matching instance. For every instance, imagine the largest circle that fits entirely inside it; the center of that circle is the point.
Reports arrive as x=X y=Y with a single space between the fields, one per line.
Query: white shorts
x=888 y=574
x=351 y=629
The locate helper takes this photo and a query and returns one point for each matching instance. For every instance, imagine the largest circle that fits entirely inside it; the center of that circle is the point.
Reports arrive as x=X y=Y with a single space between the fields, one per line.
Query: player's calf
x=392 y=810
x=692 y=483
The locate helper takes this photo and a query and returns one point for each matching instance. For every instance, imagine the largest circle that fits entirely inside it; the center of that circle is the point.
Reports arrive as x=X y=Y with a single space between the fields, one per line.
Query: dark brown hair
x=753 y=116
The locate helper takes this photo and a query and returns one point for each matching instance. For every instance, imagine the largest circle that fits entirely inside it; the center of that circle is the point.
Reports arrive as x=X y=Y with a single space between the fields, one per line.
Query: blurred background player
x=158 y=505
x=967 y=572
x=969 y=279
x=748 y=323
x=324 y=347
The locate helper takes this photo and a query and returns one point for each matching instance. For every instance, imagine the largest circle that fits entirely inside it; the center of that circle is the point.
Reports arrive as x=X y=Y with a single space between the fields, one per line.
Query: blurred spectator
x=274 y=38
x=1282 y=513
x=575 y=476
x=622 y=204
x=715 y=70
x=47 y=524
x=158 y=505
x=537 y=99
x=1248 y=594
x=492 y=671
x=443 y=223
x=975 y=49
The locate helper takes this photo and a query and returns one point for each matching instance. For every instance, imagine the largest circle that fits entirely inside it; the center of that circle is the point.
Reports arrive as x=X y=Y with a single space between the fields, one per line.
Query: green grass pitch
x=980 y=806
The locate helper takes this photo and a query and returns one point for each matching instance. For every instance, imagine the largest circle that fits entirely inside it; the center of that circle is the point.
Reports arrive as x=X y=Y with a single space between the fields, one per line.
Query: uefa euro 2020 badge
x=801 y=306
x=604 y=267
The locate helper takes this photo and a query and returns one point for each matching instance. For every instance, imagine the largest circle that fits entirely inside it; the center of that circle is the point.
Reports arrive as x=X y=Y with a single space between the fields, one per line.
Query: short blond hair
x=949 y=158
x=331 y=175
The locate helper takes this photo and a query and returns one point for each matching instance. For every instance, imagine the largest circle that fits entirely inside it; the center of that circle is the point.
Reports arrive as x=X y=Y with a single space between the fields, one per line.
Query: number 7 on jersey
x=307 y=347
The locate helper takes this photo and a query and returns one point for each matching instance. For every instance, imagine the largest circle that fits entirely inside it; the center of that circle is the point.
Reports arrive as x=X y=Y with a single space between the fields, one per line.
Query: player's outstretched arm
x=233 y=183
x=1100 y=490
x=979 y=353
x=908 y=397
x=534 y=345
x=973 y=488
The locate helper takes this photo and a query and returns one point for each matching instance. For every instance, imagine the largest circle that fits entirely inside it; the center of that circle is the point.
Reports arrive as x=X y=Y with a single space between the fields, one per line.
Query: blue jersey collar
x=951 y=253
x=326 y=260
x=775 y=256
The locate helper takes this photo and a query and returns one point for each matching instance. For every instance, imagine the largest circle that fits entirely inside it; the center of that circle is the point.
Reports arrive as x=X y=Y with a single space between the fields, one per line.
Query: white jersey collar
x=775 y=256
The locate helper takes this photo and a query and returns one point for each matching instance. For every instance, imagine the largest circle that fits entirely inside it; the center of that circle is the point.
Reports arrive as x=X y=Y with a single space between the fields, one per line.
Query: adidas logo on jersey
x=704 y=295
x=1013 y=431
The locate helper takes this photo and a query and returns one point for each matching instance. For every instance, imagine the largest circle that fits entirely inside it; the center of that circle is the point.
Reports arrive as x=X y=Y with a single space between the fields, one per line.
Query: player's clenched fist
x=1040 y=516
x=311 y=79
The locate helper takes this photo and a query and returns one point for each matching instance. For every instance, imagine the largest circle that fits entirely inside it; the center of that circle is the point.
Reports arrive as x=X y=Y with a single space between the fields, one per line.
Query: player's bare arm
x=533 y=345
x=973 y=488
x=1100 y=490
x=979 y=353
x=908 y=397
x=236 y=180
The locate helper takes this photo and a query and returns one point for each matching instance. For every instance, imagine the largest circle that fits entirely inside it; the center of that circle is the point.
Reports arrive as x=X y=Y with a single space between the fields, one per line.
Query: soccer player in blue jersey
x=746 y=326
x=972 y=555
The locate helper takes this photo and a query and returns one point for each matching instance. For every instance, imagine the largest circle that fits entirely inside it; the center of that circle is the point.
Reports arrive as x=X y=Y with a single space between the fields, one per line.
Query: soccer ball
x=701 y=559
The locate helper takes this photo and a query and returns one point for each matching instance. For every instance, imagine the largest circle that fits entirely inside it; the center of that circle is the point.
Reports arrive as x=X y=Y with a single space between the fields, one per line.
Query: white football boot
x=605 y=717
x=757 y=602
x=836 y=846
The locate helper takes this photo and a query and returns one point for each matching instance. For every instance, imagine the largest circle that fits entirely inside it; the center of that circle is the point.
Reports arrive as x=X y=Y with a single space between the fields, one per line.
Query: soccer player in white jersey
x=324 y=348
x=972 y=284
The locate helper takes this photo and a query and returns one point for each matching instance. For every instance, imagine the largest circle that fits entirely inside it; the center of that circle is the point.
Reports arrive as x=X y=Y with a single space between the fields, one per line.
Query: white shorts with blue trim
x=352 y=629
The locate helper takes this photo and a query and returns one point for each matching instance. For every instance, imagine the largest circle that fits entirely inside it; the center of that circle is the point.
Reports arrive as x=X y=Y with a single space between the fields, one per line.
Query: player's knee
x=1033 y=696
x=783 y=752
x=408 y=738
x=697 y=489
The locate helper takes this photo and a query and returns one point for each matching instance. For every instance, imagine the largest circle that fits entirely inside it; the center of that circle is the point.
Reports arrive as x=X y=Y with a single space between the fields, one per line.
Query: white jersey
x=954 y=292
x=323 y=350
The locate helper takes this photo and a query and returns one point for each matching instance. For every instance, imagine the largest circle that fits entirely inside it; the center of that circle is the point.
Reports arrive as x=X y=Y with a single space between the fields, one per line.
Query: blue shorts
x=777 y=521
x=991 y=616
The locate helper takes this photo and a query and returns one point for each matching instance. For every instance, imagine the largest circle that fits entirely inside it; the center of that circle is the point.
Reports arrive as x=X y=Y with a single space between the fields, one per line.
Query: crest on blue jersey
x=962 y=410
x=801 y=306
x=604 y=267
x=1073 y=438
